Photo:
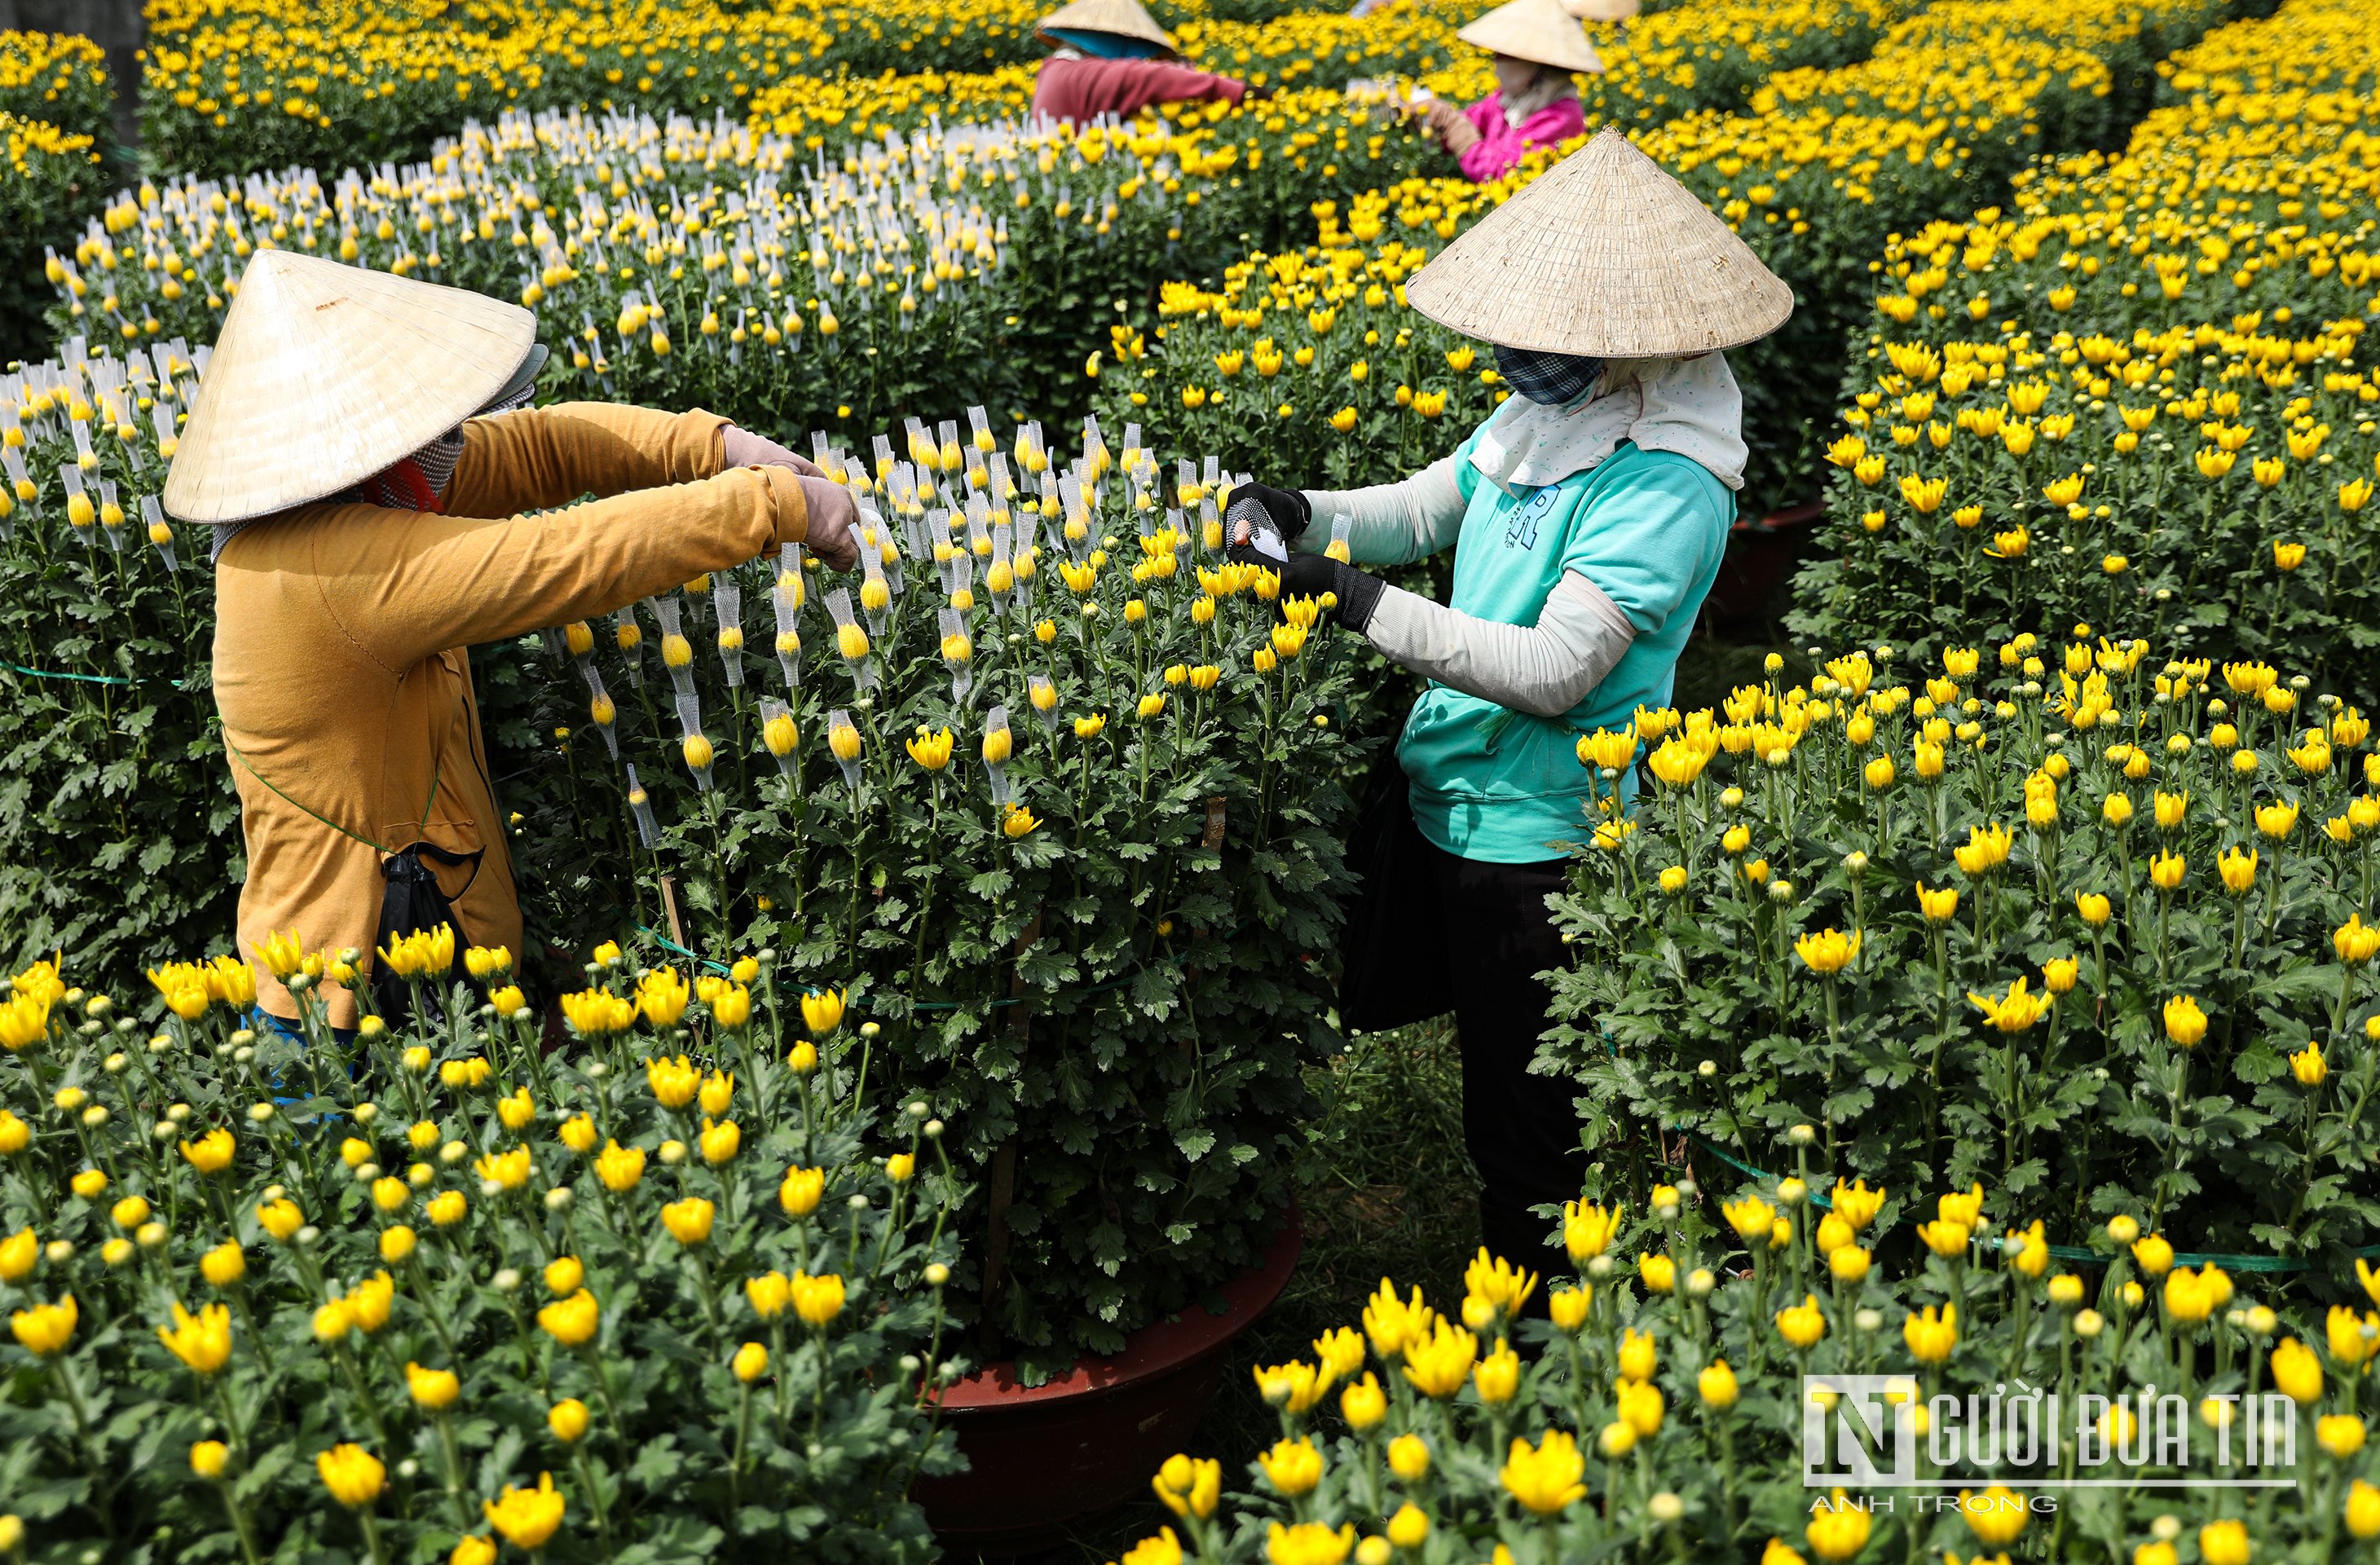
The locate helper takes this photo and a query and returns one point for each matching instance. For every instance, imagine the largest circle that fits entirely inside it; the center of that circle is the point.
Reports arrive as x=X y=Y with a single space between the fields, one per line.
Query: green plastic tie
x=86 y=678
x=670 y=945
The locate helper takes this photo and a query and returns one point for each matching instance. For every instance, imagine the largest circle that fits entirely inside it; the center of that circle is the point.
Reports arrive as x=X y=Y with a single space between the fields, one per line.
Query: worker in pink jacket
x=1109 y=59
x=1537 y=46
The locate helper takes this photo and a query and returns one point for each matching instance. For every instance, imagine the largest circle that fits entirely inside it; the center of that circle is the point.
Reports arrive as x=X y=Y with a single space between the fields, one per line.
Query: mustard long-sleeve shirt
x=340 y=662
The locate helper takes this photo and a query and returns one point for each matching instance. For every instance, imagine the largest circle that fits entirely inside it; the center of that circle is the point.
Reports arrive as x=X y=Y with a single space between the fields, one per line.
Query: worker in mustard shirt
x=1588 y=516
x=360 y=445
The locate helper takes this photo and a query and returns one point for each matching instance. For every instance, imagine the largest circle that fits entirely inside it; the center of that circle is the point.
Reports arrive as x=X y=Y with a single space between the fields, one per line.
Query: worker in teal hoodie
x=1587 y=515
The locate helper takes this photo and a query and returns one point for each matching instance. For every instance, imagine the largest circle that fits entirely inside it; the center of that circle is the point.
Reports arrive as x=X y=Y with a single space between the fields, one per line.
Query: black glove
x=1256 y=505
x=1311 y=576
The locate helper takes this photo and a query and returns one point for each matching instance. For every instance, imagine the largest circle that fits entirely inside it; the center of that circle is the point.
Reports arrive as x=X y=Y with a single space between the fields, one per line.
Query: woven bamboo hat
x=1538 y=31
x=1603 y=256
x=325 y=374
x=1127 y=18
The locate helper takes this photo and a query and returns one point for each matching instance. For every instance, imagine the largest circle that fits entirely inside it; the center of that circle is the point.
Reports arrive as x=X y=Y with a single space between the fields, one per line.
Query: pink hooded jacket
x=1500 y=146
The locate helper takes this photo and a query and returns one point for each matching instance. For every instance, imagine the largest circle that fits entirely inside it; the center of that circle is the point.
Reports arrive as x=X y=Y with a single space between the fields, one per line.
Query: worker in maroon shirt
x=1110 y=57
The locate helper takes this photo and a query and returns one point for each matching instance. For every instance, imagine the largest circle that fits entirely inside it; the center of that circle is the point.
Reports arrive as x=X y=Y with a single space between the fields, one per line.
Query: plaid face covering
x=434 y=465
x=1549 y=380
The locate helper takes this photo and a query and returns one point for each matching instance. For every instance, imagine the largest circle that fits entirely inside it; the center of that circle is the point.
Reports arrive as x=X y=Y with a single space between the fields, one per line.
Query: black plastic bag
x=1392 y=968
x=413 y=901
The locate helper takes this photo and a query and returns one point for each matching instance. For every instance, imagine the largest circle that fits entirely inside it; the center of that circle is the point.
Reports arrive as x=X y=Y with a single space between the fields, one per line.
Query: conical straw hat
x=1603 y=256
x=325 y=374
x=1540 y=30
x=1602 y=10
x=1127 y=18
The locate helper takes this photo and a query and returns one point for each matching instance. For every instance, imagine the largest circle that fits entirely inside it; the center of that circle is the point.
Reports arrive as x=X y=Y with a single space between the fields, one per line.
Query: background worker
x=1110 y=58
x=1588 y=515
x=352 y=444
x=1537 y=45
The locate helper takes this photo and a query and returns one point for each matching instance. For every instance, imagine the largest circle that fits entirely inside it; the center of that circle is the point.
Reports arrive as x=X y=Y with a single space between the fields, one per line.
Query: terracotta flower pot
x=1046 y=1456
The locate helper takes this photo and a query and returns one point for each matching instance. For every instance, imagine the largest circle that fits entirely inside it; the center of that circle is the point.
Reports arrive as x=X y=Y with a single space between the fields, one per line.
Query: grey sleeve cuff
x=1544 y=669
x=1394 y=523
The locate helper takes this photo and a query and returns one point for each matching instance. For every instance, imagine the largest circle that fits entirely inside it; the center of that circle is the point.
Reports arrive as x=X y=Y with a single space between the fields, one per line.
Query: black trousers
x=1520 y=1130
x=1433 y=932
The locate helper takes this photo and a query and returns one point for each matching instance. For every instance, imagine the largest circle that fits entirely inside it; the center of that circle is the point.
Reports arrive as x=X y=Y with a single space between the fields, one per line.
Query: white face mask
x=1515 y=76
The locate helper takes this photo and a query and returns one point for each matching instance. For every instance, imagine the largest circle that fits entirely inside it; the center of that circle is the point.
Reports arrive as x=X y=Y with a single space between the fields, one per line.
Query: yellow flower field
x=428 y=1288
x=2176 y=335
x=54 y=78
x=1980 y=999
x=1658 y=1413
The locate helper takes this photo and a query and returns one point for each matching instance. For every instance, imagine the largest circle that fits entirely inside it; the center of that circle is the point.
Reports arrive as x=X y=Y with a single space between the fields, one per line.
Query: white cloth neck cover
x=1688 y=406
